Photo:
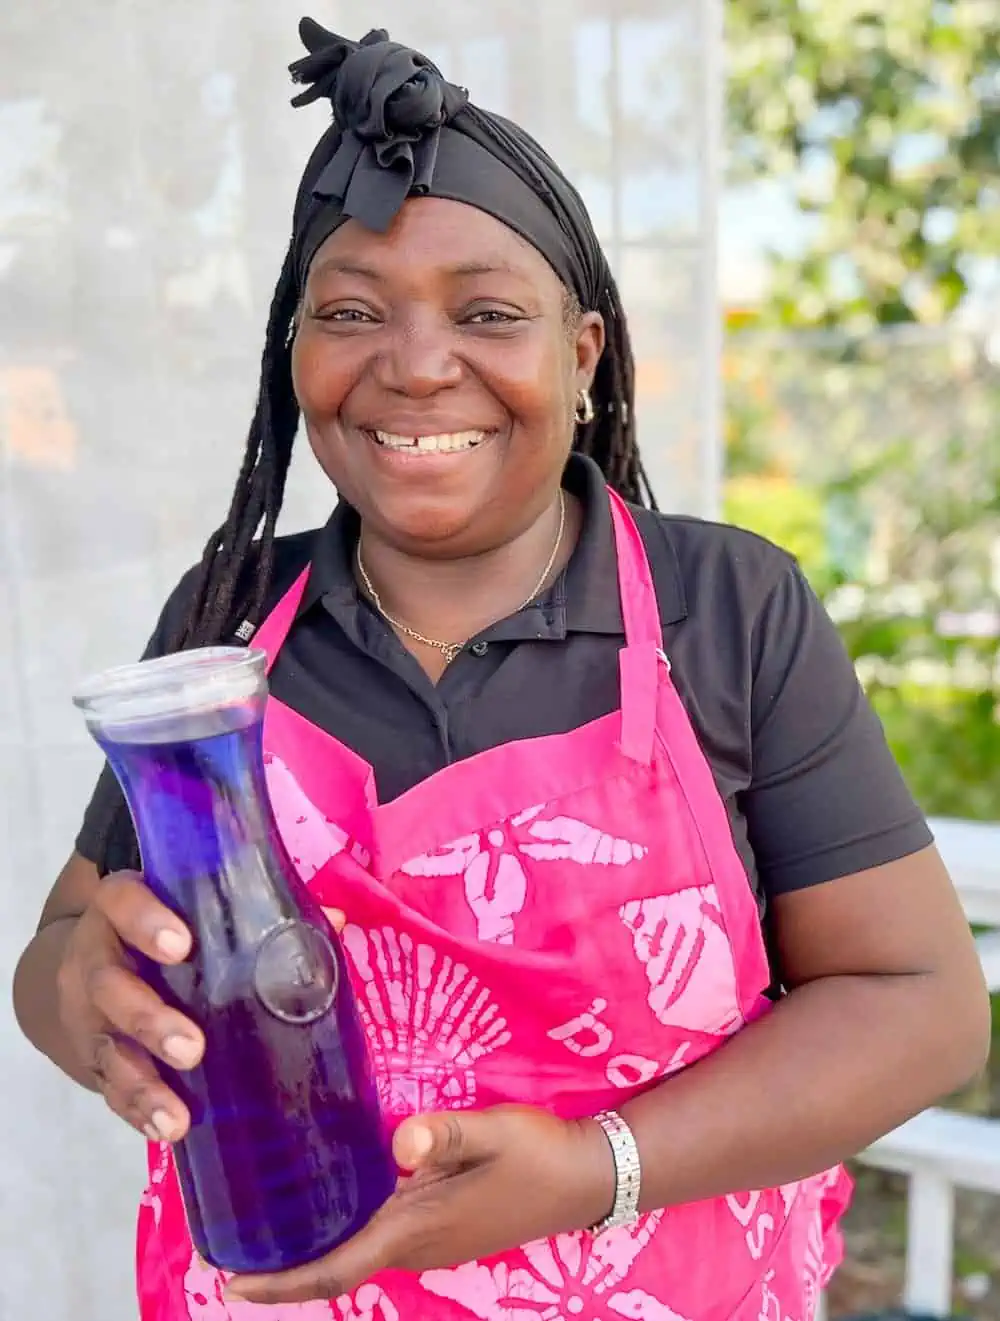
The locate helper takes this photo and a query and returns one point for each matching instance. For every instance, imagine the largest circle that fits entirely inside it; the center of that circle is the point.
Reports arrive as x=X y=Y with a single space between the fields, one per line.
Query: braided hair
x=231 y=582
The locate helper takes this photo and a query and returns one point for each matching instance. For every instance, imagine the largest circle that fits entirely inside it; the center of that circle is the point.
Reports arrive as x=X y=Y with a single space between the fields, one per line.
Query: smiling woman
x=645 y=937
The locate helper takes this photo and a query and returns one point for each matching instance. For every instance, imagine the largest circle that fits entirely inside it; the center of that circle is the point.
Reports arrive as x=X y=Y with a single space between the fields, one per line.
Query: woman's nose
x=419 y=360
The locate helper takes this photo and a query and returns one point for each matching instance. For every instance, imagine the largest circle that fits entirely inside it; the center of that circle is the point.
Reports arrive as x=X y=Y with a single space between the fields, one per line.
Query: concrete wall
x=148 y=157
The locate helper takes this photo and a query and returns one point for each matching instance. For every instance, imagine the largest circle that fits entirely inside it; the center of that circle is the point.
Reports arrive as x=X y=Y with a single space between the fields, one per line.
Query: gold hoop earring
x=584 y=408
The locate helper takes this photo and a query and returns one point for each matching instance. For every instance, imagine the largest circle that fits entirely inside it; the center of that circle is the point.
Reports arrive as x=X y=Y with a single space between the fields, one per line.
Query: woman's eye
x=493 y=316
x=345 y=315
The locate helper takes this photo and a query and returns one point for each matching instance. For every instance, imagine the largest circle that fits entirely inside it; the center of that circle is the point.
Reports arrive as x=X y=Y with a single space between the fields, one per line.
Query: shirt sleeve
x=826 y=797
x=107 y=795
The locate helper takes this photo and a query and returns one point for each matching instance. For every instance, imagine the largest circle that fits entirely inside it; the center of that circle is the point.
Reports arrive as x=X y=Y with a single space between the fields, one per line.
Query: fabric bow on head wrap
x=400 y=130
x=389 y=104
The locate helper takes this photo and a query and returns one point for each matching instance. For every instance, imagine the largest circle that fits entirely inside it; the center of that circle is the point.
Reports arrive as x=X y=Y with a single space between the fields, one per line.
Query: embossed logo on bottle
x=295 y=973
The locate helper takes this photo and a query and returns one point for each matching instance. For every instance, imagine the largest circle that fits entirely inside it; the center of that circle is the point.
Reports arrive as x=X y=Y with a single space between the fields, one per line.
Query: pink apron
x=561 y=921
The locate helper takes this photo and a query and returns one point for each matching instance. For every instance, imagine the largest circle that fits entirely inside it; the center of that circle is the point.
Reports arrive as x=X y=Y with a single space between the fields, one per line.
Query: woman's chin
x=440 y=519
x=429 y=533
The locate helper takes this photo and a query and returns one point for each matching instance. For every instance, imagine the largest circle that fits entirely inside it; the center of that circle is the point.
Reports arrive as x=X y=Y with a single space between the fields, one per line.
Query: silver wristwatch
x=628 y=1172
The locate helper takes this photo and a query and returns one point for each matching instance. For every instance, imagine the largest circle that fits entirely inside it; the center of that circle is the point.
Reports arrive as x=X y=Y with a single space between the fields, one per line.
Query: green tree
x=883 y=120
x=872 y=447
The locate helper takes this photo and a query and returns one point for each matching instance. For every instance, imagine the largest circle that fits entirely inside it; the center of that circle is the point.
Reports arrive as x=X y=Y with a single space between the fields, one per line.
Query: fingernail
x=174 y=944
x=164 y=1125
x=152 y=1133
x=182 y=1051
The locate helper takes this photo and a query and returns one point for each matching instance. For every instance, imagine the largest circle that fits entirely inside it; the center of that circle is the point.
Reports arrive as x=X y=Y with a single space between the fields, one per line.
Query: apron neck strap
x=639 y=660
x=271 y=636
x=640 y=612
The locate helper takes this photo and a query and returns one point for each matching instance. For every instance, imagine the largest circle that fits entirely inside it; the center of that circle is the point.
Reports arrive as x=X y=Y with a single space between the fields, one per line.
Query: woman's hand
x=115 y=1022
x=481 y=1182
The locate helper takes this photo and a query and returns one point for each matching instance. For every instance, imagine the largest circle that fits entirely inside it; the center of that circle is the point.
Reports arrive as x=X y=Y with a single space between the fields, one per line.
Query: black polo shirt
x=798 y=755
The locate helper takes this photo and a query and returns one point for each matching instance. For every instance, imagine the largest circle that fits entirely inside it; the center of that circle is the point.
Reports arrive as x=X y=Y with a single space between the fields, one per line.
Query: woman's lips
x=448 y=442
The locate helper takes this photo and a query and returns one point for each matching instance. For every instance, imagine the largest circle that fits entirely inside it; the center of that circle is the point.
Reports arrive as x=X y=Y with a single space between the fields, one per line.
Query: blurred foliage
x=785 y=512
x=877 y=463
x=947 y=743
x=863 y=421
x=884 y=119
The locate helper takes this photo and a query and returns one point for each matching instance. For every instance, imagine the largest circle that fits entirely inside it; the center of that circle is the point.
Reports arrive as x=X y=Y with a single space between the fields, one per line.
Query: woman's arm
x=887 y=1012
x=36 y=997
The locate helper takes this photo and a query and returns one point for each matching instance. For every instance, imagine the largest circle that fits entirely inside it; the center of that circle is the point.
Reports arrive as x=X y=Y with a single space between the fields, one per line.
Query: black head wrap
x=400 y=130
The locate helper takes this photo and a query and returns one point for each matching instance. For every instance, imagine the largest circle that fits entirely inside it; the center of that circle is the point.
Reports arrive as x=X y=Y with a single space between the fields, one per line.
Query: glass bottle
x=287 y=1154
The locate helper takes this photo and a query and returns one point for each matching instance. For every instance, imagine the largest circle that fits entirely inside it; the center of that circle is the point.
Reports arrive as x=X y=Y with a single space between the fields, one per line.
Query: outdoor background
x=816 y=310
x=861 y=294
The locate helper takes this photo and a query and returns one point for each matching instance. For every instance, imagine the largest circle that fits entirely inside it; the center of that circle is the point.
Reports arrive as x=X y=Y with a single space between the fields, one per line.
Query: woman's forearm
x=36 y=999
x=838 y=1063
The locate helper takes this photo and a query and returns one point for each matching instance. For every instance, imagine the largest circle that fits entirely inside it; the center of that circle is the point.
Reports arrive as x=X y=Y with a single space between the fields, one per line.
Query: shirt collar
x=583 y=599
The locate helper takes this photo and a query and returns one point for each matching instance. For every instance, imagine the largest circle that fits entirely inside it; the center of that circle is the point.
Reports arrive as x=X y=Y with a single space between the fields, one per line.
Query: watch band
x=628 y=1172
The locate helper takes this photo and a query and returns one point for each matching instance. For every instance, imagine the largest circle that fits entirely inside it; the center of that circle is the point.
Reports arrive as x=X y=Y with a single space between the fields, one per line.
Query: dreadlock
x=218 y=606
x=610 y=439
x=232 y=579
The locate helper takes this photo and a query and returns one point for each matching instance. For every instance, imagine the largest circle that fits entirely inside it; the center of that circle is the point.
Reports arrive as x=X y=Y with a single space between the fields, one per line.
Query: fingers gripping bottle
x=287 y=1154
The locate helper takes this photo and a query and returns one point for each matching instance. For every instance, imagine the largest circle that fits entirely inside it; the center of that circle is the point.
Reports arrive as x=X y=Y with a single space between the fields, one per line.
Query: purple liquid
x=287 y=1155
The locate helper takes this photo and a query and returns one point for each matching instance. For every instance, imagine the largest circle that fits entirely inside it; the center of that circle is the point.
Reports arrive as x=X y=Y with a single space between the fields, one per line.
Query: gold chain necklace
x=449 y=650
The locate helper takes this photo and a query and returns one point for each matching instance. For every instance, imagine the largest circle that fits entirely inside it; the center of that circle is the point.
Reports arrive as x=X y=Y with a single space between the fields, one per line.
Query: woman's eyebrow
x=346 y=266
x=460 y=270
x=492 y=267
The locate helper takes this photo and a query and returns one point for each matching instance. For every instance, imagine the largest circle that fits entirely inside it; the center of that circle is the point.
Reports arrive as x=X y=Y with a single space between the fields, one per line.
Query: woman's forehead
x=433 y=235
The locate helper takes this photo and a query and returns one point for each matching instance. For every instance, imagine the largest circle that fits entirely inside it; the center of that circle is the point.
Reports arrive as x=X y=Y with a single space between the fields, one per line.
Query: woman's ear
x=589 y=342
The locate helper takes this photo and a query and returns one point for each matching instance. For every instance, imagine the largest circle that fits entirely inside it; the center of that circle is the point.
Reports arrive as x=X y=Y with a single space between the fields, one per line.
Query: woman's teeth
x=446 y=444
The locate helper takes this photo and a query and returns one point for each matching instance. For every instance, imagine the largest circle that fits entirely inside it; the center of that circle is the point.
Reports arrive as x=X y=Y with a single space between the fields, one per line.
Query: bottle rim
x=186 y=683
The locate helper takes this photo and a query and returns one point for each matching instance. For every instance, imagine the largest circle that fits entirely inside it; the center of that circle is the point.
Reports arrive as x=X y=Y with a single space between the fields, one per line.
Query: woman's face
x=438 y=376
